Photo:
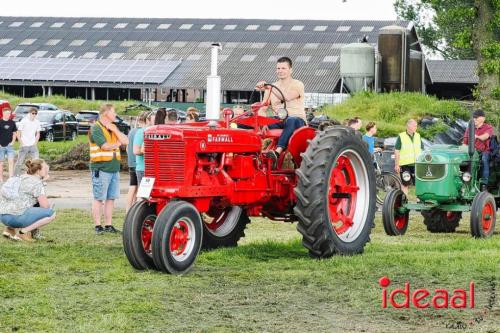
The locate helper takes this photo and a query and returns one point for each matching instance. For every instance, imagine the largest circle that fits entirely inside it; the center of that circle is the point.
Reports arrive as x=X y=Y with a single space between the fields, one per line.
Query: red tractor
x=206 y=179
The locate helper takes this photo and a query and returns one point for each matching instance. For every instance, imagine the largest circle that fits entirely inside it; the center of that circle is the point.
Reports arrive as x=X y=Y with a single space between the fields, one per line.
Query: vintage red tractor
x=208 y=179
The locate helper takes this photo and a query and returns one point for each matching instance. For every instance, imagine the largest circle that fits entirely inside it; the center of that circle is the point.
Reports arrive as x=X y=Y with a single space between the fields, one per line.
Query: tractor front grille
x=425 y=171
x=165 y=160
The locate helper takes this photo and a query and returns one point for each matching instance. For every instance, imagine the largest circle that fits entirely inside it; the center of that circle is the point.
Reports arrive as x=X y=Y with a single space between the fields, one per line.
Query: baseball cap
x=478 y=113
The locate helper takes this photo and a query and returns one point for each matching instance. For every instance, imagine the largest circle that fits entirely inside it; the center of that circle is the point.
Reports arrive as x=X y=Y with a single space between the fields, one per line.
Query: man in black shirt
x=7 y=138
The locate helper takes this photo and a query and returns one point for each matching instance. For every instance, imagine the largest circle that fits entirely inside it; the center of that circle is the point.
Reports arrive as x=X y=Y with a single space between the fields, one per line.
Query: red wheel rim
x=451 y=215
x=147 y=233
x=400 y=220
x=342 y=195
x=179 y=238
x=487 y=217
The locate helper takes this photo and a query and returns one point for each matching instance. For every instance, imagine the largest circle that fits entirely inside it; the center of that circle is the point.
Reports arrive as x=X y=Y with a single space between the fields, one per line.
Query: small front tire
x=483 y=215
x=395 y=222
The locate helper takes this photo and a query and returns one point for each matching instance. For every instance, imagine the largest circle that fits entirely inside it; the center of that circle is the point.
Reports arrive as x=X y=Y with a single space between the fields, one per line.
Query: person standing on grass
x=132 y=189
x=408 y=146
x=28 y=135
x=7 y=139
x=17 y=211
x=105 y=140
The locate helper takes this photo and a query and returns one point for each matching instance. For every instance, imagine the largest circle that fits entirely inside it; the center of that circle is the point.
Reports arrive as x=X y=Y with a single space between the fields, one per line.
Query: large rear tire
x=223 y=228
x=177 y=237
x=395 y=222
x=336 y=194
x=438 y=221
x=137 y=235
x=483 y=215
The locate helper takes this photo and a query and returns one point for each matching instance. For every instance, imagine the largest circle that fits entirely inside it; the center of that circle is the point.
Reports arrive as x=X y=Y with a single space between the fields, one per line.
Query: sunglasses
x=35 y=113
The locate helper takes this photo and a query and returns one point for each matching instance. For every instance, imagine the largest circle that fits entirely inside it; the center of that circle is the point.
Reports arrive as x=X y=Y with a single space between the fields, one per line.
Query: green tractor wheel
x=483 y=215
x=438 y=221
x=394 y=220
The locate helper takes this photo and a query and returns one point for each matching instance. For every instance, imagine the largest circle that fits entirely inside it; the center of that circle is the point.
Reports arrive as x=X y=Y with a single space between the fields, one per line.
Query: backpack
x=10 y=189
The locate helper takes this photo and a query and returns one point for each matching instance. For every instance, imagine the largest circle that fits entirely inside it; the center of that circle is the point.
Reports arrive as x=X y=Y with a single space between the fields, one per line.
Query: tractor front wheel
x=394 y=217
x=335 y=194
x=137 y=235
x=440 y=221
x=483 y=215
x=177 y=237
x=223 y=227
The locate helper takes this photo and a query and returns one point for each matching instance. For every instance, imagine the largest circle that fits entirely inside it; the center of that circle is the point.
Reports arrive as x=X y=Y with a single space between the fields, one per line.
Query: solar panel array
x=86 y=70
x=249 y=48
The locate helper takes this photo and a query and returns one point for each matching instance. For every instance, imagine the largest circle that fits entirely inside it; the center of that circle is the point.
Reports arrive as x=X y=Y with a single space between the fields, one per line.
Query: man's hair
x=369 y=126
x=172 y=116
x=105 y=108
x=352 y=121
x=285 y=59
x=410 y=121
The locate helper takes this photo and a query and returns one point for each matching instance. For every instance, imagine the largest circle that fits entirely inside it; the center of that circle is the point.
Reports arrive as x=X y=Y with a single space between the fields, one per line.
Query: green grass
x=75 y=281
x=391 y=111
x=53 y=150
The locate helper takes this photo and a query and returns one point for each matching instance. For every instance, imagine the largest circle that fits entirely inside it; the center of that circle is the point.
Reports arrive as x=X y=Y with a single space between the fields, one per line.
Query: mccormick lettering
x=220 y=138
x=158 y=136
x=423 y=298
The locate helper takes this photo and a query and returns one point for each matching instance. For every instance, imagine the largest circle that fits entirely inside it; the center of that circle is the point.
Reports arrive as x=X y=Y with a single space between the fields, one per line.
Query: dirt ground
x=73 y=189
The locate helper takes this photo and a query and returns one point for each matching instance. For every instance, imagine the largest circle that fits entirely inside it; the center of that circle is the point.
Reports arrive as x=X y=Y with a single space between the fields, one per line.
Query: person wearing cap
x=483 y=133
x=408 y=146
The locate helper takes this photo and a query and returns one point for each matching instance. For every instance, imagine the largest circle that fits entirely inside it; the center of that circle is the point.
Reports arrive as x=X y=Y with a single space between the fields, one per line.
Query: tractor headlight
x=466 y=177
x=406 y=176
x=282 y=113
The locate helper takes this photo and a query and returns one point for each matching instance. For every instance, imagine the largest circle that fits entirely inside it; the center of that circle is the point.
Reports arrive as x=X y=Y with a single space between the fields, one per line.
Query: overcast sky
x=309 y=9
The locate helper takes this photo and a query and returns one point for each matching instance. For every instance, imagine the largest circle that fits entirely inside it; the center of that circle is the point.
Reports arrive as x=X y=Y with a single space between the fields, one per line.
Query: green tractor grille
x=430 y=171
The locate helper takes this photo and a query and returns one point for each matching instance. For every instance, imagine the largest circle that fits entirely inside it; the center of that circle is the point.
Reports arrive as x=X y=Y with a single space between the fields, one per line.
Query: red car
x=5 y=105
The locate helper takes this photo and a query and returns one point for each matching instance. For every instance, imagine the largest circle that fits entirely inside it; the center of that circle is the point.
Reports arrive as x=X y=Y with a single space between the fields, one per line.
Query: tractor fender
x=298 y=142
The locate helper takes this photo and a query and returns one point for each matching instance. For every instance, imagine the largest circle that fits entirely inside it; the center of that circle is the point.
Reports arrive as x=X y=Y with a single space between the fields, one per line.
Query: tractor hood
x=444 y=154
x=219 y=139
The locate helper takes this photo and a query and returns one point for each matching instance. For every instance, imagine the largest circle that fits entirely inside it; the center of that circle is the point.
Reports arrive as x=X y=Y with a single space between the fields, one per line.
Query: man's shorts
x=7 y=153
x=411 y=170
x=133 y=177
x=105 y=185
x=30 y=216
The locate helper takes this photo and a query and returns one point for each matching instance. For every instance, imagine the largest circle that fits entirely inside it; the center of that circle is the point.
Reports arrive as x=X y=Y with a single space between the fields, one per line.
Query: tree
x=462 y=29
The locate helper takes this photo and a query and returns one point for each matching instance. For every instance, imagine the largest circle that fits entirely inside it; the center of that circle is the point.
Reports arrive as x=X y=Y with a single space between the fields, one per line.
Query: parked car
x=23 y=109
x=87 y=118
x=4 y=105
x=57 y=125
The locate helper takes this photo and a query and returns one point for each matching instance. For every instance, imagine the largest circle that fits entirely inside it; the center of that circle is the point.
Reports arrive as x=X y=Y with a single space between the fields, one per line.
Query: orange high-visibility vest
x=100 y=155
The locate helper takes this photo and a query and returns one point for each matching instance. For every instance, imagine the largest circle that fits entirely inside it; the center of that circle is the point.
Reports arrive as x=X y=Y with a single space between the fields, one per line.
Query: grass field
x=75 y=281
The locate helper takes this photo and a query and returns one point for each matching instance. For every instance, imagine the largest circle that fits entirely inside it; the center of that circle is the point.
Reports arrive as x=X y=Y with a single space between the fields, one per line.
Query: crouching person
x=16 y=209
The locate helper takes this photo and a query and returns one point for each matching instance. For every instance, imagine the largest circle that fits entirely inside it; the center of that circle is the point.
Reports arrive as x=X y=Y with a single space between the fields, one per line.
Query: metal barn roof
x=453 y=71
x=249 y=47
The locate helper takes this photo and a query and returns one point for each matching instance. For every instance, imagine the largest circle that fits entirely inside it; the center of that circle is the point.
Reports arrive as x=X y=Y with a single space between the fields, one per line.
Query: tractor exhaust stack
x=213 y=86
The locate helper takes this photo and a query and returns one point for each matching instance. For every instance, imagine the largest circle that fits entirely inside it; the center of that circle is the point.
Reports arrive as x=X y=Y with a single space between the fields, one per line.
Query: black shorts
x=133 y=177
x=411 y=170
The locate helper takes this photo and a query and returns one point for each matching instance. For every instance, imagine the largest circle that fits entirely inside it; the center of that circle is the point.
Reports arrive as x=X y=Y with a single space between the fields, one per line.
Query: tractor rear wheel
x=335 y=194
x=483 y=215
x=223 y=228
x=137 y=235
x=395 y=222
x=177 y=237
x=440 y=221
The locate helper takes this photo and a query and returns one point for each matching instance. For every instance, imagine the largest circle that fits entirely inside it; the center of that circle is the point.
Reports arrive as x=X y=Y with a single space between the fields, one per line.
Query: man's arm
x=483 y=137
x=296 y=92
x=37 y=137
x=396 y=161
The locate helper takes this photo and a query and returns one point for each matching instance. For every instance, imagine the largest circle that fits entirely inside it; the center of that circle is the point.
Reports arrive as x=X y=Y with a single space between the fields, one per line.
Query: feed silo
x=395 y=52
x=416 y=74
x=357 y=66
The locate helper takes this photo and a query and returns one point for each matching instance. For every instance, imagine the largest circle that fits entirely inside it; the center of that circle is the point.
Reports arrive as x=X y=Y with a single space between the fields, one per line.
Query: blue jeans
x=7 y=153
x=290 y=125
x=105 y=185
x=485 y=159
x=30 y=216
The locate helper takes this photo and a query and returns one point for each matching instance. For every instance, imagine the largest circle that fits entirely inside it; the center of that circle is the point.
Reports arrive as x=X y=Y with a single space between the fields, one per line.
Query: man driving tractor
x=293 y=91
x=483 y=133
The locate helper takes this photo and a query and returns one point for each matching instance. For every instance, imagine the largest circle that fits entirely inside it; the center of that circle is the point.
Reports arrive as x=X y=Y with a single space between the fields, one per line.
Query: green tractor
x=447 y=183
